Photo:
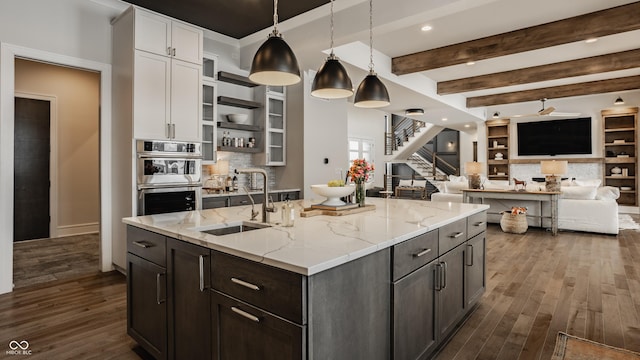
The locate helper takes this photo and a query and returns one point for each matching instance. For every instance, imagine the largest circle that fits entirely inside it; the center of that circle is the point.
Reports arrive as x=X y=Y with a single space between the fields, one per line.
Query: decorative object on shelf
x=238 y=118
x=623 y=154
x=619 y=101
x=495 y=143
x=519 y=185
x=414 y=112
x=616 y=171
x=553 y=168
x=514 y=221
x=371 y=92
x=618 y=141
x=625 y=188
x=359 y=174
x=499 y=156
x=332 y=80
x=275 y=63
x=473 y=170
x=625 y=171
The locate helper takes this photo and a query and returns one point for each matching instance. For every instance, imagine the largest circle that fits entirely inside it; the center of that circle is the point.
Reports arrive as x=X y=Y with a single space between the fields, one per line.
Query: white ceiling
x=397 y=32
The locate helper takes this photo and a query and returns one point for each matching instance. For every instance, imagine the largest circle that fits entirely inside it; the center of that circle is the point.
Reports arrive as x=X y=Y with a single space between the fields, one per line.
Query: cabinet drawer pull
x=158 y=300
x=422 y=253
x=169 y=50
x=456 y=235
x=480 y=223
x=469 y=255
x=173 y=52
x=444 y=276
x=245 y=284
x=245 y=314
x=201 y=268
x=143 y=244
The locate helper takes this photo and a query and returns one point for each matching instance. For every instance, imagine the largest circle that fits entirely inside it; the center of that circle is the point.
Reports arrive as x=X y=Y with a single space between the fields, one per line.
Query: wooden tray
x=308 y=212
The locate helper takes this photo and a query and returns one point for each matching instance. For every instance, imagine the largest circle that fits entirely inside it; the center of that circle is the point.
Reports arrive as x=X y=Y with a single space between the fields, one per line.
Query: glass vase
x=361 y=192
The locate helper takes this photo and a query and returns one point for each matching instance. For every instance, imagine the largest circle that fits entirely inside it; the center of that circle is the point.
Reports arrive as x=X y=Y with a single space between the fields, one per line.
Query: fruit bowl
x=333 y=193
x=238 y=118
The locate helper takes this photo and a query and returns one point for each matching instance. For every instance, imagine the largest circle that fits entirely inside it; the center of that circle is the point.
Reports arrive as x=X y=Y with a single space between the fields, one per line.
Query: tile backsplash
x=239 y=161
x=580 y=171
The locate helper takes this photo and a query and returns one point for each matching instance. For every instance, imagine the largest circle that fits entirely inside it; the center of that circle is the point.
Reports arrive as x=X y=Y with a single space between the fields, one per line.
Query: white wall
x=71 y=32
x=325 y=136
x=369 y=124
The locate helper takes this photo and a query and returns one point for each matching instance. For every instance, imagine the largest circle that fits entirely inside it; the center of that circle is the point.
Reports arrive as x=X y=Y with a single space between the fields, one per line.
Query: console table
x=468 y=196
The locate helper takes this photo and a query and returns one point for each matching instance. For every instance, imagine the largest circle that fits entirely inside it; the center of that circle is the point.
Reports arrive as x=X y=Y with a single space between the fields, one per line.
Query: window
x=362 y=149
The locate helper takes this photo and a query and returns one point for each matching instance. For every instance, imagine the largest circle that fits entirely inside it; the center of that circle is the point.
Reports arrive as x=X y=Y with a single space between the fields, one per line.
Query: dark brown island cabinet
x=189 y=302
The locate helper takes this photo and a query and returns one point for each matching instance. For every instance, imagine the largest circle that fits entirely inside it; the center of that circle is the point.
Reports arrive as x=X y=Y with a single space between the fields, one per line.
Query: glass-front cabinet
x=209 y=107
x=273 y=113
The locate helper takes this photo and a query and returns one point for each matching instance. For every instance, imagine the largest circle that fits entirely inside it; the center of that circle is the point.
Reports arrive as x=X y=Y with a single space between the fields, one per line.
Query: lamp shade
x=473 y=167
x=331 y=80
x=275 y=63
x=371 y=93
x=553 y=167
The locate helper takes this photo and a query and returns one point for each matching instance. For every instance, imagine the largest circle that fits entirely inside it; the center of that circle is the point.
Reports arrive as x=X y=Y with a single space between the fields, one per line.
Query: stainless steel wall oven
x=169 y=176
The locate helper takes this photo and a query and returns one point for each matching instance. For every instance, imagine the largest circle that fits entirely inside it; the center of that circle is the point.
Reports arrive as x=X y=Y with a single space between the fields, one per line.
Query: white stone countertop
x=205 y=194
x=313 y=244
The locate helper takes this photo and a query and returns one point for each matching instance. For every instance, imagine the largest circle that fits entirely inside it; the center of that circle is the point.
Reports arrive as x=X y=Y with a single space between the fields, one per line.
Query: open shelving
x=498 y=142
x=620 y=150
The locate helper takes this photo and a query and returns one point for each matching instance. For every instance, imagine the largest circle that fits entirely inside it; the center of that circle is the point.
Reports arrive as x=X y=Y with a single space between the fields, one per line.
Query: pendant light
x=331 y=80
x=275 y=63
x=371 y=93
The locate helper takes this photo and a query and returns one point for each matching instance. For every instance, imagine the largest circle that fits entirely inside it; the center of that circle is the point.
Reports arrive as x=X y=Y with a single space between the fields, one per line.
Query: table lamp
x=473 y=170
x=551 y=169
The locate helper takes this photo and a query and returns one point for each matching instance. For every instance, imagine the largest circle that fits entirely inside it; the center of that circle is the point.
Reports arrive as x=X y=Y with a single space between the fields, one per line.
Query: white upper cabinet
x=186 y=100
x=163 y=36
x=151 y=96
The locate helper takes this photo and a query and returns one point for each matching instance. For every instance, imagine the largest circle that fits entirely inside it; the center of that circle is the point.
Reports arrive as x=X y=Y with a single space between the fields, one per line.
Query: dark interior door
x=31 y=169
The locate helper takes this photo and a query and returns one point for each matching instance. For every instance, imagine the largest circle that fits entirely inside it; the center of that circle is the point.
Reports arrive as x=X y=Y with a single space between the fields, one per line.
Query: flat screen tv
x=555 y=137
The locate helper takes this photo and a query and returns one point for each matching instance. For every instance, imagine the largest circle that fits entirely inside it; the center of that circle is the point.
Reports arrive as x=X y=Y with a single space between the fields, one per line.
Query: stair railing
x=401 y=132
x=438 y=162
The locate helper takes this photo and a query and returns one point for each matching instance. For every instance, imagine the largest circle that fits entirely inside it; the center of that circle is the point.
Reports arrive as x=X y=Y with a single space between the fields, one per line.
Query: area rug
x=625 y=222
x=570 y=347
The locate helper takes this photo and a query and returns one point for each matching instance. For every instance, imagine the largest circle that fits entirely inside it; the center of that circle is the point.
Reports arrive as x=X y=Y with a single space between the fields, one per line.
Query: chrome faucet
x=266 y=208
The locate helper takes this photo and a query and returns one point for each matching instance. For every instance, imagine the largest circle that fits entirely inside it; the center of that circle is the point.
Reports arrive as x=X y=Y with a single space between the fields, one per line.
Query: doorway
x=32 y=143
x=56 y=172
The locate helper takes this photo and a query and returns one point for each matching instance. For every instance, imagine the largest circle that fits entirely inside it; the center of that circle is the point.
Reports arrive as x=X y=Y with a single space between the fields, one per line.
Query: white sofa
x=583 y=205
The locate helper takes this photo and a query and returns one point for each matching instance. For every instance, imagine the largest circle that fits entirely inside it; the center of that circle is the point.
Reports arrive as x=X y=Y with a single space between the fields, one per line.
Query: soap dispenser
x=288 y=213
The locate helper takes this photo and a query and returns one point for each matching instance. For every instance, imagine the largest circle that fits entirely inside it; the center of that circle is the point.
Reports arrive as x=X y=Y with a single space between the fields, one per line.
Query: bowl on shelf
x=238 y=118
x=333 y=193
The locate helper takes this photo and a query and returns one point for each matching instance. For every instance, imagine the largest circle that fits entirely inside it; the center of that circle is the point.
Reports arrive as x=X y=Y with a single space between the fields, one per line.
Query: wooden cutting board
x=308 y=212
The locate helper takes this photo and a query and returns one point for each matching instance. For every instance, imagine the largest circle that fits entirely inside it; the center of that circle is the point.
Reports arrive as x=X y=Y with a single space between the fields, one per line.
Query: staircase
x=405 y=144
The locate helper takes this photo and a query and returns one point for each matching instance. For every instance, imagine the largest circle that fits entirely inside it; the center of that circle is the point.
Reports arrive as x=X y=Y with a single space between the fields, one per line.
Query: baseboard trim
x=78 y=229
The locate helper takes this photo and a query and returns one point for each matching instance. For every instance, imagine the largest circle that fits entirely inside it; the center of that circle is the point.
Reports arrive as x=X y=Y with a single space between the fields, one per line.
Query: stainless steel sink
x=232 y=228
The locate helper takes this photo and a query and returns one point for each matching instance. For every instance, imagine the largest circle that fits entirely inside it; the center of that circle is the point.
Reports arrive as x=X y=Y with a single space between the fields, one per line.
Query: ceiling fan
x=550 y=111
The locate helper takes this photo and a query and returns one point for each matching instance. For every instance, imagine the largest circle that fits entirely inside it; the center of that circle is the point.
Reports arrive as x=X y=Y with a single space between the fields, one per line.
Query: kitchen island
x=389 y=283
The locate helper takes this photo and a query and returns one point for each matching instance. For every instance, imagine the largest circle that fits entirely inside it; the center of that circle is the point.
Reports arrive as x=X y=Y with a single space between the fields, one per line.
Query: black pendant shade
x=371 y=93
x=275 y=63
x=331 y=80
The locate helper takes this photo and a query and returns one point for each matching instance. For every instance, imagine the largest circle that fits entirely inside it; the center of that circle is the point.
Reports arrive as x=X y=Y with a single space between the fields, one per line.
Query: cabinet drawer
x=452 y=235
x=237 y=200
x=146 y=244
x=278 y=291
x=413 y=253
x=214 y=202
x=476 y=224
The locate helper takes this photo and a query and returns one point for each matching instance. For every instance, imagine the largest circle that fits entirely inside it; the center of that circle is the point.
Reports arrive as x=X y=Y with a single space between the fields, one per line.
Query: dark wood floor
x=584 y=284
x=39 y=261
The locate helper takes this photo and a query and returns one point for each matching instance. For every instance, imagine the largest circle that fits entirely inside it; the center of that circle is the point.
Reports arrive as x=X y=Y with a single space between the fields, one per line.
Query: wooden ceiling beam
x=587 y=66
x=596 y=24
x=585 y=88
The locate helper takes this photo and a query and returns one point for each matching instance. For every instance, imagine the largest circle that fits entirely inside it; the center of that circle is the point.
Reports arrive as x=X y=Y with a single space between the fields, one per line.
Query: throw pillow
x=579 y=192
x=419 y=183
x=405 y=183
x=454 y=178
x=455 y=187
x=607 y=192
x=587 y=182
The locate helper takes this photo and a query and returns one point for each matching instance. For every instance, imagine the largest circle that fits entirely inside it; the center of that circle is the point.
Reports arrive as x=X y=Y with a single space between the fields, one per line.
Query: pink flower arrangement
x=359 y=170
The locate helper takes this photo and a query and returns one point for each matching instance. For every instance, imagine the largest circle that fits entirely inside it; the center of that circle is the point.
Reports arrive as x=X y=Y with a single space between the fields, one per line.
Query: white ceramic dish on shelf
x=238 y=118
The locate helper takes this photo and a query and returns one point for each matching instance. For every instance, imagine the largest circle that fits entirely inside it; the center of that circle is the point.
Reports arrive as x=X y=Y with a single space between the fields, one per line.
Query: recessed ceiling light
x=426 y=28
x=467 y=125
x=469 y=63
x=444 y=119
x=591 y=40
